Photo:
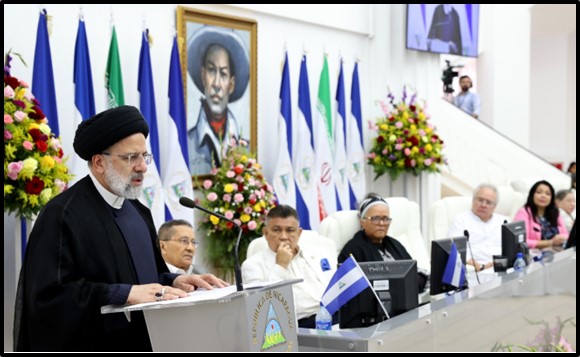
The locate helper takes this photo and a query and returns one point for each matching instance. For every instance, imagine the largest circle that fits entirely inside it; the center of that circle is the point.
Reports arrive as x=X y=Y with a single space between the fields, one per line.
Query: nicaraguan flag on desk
x=174 y=169
x=454 y=273
x=152 y=193
x=348 y=281
x=84 y=93
x=283 y=182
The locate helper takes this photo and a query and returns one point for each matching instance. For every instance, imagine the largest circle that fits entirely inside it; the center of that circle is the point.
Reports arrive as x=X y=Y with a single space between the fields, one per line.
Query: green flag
x=323 y=105
x=113 y=76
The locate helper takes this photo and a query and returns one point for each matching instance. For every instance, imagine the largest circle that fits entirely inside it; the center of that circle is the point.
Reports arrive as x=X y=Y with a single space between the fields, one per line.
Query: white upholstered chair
x=524 y=185
x=308 y=238
x=444 y=211
x=341 y=227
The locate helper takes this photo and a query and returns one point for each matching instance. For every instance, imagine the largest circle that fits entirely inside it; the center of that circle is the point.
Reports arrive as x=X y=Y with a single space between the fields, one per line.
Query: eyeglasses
x=133 y=159
x=185 y=242
x=483 y=201
x=379 y=219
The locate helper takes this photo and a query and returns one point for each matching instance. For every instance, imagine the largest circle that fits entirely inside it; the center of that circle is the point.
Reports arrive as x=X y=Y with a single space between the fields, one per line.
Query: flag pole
x=372 y=289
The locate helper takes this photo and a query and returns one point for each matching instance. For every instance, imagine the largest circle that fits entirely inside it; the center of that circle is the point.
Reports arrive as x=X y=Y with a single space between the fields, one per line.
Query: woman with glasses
x=372 y=243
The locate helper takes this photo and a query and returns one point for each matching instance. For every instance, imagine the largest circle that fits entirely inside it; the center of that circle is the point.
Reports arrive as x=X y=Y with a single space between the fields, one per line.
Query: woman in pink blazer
x=544 y=226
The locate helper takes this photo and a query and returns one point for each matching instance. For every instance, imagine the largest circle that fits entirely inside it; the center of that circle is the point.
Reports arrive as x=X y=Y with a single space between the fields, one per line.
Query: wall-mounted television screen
x=443 y=28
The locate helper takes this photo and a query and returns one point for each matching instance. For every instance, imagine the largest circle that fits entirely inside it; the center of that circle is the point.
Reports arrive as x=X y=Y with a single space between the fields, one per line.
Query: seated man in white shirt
x=285 y=259
x=483 y=225
x=178 y=245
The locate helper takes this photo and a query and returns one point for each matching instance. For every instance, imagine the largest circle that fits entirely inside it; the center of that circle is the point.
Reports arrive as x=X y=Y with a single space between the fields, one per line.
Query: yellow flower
x=47 y=162
x=45 y=195
x=29 y=165
x=257 y=207
x=214 y=220
x=228 y=188
x=245 y=218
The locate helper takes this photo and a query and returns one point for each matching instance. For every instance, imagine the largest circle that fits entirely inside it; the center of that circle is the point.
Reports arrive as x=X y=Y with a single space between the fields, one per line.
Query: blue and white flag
x=354 y=145
x=42 y=76
x=152 y=193
x=84 y=94
x=454 y=274
x=303 y=158
x=348 y=281
x=340 y=161
x=174 y=170
x=283 y=181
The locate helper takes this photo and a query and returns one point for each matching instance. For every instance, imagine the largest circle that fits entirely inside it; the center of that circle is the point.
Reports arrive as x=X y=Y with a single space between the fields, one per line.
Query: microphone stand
x=466 y=234
x=237 y=270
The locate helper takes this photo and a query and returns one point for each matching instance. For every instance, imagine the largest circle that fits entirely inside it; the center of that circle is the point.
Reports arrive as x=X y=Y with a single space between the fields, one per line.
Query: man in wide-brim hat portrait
x=218 y=64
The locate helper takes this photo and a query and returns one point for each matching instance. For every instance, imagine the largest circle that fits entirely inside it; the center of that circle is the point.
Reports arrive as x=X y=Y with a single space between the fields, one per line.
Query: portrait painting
x=218 y=55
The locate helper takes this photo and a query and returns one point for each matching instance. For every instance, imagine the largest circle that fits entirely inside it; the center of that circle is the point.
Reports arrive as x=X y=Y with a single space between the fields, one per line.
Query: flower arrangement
x=406 y=140
x=238 y=191
x=547 y=340
x=34 y=167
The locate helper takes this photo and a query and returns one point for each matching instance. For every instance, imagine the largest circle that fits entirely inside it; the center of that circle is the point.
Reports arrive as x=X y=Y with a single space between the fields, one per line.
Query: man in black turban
x=95 y=245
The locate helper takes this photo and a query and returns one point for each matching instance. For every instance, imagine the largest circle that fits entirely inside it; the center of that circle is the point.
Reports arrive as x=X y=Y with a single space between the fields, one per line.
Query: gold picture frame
x=199 y=31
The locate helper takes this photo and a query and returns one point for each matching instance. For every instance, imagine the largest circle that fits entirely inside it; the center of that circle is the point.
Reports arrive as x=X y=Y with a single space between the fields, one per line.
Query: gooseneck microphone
x=187 y=202
x=466 y=234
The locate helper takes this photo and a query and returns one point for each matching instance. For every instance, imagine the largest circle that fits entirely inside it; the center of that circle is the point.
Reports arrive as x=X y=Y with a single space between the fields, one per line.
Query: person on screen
x=372 y=243
x=544 y=226
x=483 y=226
x=445 y=32
x=467 y=101
x=178 y=245
x=95 y=244
x=286 y=259
x=219 y=66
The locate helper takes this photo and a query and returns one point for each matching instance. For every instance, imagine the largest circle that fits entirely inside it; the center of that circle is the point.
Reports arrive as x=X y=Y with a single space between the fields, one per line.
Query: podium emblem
x=273 y=335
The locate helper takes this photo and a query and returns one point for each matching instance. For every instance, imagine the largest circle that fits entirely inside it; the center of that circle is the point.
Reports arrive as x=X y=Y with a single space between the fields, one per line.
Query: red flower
x=34 y=186
x=380 y=139
x=37 y=114
x=412 y=107
x=229 y=225
x=36 y=134
x=11 y=81
x=413 y=140
x=238 y=170
x=41 y=145
x=240 y=187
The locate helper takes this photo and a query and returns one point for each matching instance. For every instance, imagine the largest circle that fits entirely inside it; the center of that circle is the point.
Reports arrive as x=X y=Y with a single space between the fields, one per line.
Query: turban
x=107 y=128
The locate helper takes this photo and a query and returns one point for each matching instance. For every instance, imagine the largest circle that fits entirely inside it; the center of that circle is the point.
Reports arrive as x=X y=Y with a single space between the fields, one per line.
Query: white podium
x=258 y=319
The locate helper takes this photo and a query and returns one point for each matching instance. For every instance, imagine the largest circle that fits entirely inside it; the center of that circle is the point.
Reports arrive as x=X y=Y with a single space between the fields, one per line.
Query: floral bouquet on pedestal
x=238 y=191
x=406 y=140
x=34 y=166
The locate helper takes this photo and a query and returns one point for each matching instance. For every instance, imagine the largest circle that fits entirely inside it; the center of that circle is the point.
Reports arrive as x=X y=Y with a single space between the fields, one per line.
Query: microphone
x=466 y=234
x=187 y=202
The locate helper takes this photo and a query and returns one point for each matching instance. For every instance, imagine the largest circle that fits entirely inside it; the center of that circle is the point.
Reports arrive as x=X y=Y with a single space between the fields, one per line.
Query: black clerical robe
x=74 y=252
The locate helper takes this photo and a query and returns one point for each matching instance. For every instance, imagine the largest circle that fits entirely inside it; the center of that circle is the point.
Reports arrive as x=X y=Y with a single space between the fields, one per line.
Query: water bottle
x=519 y=263
x=323 y=319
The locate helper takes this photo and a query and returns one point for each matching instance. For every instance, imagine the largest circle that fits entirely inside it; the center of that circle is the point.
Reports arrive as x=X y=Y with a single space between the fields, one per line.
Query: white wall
x=548 y=104
x=571 y=100
x=504 y=70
